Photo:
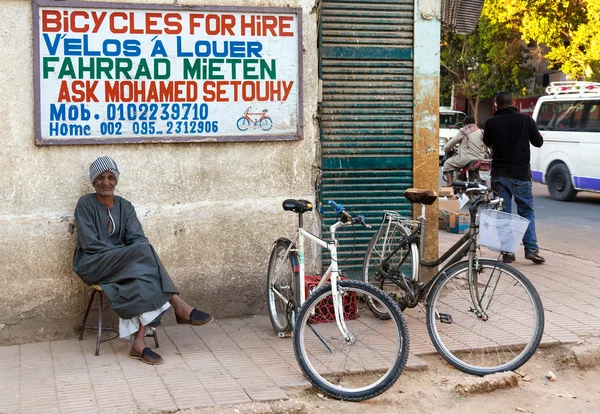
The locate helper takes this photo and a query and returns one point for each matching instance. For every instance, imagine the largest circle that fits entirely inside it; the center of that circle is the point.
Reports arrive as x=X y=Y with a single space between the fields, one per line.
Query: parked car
x=450 y=122
x=568 y=118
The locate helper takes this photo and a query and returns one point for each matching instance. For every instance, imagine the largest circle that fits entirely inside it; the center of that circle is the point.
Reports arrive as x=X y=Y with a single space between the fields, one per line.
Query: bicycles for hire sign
x=113 y=72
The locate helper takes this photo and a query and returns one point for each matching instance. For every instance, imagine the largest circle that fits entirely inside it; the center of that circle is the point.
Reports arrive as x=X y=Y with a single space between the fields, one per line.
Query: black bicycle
x=483 y=316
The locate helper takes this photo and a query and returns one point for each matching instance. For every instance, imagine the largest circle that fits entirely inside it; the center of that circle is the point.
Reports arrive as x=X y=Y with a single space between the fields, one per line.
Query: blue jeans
x=508 y=188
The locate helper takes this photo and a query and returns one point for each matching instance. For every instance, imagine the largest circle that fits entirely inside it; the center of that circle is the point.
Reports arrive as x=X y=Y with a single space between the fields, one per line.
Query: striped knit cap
x=101 y=165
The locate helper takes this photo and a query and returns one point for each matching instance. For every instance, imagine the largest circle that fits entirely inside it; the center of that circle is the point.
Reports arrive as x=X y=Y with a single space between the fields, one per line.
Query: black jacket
x=509 y=133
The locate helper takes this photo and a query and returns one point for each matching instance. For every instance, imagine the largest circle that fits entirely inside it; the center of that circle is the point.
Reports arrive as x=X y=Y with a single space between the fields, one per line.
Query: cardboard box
x=446 y=192
x=449 y=204
x=442 y=223
x=458 y=223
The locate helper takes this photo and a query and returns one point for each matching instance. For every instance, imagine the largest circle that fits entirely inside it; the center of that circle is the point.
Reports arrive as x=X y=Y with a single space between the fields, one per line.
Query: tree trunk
x=476 y=111
x=471 y=104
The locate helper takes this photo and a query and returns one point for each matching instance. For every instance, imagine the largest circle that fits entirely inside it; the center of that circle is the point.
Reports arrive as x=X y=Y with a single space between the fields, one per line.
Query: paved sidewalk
x=239 y=360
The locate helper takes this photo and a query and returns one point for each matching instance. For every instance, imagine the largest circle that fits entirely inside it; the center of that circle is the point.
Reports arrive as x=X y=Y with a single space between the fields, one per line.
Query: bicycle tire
x=243 y=124
x=504 y=341
x=266 y=124
x=378 y=358
x=282 y=277
x=387 y=238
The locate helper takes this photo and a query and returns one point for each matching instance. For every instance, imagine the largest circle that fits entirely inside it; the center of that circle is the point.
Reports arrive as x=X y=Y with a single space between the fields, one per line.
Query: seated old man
x=113 y=252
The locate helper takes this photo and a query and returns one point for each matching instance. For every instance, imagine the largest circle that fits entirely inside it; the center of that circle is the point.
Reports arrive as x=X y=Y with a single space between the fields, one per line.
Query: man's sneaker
x=508 y=257
x=534 y=256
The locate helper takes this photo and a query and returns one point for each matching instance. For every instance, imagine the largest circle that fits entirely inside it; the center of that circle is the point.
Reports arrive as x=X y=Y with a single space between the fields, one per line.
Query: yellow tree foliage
x=569 y=28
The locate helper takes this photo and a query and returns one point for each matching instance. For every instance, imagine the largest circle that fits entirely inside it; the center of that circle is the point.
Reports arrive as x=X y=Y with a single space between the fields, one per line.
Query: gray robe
x=124 y=264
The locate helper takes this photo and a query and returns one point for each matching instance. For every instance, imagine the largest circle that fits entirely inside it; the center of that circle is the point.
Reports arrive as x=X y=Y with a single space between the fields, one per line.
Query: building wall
x=211 y=210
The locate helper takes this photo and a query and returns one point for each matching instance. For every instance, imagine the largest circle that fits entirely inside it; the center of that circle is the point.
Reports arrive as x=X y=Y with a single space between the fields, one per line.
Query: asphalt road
x=569 y=227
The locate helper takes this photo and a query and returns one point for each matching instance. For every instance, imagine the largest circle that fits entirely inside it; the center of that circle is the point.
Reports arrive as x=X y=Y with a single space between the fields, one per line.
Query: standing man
x=509 y=133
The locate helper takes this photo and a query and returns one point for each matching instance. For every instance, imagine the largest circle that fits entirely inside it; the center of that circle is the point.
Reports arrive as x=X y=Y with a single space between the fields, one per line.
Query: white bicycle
x=342 y=347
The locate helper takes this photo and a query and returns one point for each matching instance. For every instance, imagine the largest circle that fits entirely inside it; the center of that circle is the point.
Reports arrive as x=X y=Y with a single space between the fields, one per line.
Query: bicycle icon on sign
x=260 y=119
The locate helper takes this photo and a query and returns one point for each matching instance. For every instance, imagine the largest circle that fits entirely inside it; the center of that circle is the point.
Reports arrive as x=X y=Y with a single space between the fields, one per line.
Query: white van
x=568 y=118
x=450 y=122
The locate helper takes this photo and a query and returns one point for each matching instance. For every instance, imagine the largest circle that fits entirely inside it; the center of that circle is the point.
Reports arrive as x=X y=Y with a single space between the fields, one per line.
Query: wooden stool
x=99 y=328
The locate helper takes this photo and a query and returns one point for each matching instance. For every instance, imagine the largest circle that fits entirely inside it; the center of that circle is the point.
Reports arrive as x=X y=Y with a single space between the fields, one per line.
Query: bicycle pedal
x=284 y=334
x=446 y=318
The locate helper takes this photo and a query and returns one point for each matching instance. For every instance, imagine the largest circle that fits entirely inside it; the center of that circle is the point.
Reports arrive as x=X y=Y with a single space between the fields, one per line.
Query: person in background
x=113 y=252
x=509 y=134
x=471 y=148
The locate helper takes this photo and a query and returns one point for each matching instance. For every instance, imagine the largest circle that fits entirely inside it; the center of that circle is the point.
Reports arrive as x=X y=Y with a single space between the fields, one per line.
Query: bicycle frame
x=247 y=114
x=466 y=246
x=332 y=272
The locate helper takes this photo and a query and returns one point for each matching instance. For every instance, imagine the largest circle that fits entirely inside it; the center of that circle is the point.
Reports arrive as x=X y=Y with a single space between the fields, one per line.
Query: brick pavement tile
x=299 y=382
x=10 y=379
x=110 y=387
x=230 y=397
x=73 y=385
x=114 y=396
x=78 y=406
x=9 y=403
x=148 y=390
x=414 y=363
x=220 y=383
x=261 y=381
x=9 y=356
x=271 y=393
x=258 y=322
x=184 y=337
x=37 y=377
x=204 y=365
x=39 y=408
x=187 y=391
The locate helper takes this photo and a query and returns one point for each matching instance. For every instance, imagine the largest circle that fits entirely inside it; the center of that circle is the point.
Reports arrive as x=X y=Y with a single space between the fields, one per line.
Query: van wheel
x=559 y=183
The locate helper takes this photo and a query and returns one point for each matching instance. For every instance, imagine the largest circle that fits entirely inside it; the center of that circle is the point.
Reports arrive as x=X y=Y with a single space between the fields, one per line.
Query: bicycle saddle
x=297 y=206
x=420 y=196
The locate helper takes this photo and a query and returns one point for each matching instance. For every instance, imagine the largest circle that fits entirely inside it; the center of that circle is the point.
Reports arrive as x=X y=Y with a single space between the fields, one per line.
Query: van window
x=451 y=120
x=569 y=115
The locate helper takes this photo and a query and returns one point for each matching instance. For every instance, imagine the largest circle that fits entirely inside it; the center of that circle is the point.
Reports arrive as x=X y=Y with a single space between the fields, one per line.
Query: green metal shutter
x=366 y=114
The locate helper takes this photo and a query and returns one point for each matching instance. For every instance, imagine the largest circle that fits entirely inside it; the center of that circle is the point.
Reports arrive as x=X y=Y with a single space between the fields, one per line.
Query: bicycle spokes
x=486 y=322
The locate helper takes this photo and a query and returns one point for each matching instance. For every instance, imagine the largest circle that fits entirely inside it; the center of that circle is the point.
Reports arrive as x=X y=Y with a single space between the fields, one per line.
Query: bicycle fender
x=293 y=255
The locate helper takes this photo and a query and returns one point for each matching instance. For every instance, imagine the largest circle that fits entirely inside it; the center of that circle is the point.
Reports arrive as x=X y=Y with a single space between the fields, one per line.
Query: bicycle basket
x=501 y=231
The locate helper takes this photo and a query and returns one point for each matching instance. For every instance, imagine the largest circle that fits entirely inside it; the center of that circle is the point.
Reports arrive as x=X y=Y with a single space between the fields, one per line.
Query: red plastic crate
x=324 y=312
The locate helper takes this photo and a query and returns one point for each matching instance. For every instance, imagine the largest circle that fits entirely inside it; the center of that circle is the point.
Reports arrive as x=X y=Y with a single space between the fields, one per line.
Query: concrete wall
x=211 y=210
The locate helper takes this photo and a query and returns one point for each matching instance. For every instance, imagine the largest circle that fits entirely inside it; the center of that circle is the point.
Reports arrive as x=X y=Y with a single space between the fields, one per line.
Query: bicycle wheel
x=389 y=237
x=266 y=124
x=513 y=329
x=243 y=124
x=282 y=286
x=366 y=364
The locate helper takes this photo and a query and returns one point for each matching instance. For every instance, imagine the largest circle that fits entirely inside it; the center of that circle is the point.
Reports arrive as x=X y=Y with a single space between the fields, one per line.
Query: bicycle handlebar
x=469 y=186
x=361 y=219
x=347 y=217
x=338 y=208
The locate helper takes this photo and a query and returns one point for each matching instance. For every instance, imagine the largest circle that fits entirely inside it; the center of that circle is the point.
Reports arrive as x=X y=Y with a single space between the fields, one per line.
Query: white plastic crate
x=501 y=231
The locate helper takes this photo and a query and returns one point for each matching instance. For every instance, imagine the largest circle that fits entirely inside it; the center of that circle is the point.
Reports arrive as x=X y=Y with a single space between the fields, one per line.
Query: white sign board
x=112 y=73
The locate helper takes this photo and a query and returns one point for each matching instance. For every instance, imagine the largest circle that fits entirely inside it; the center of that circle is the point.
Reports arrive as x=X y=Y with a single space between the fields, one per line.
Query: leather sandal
x=147 y=356
x=196 y=318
